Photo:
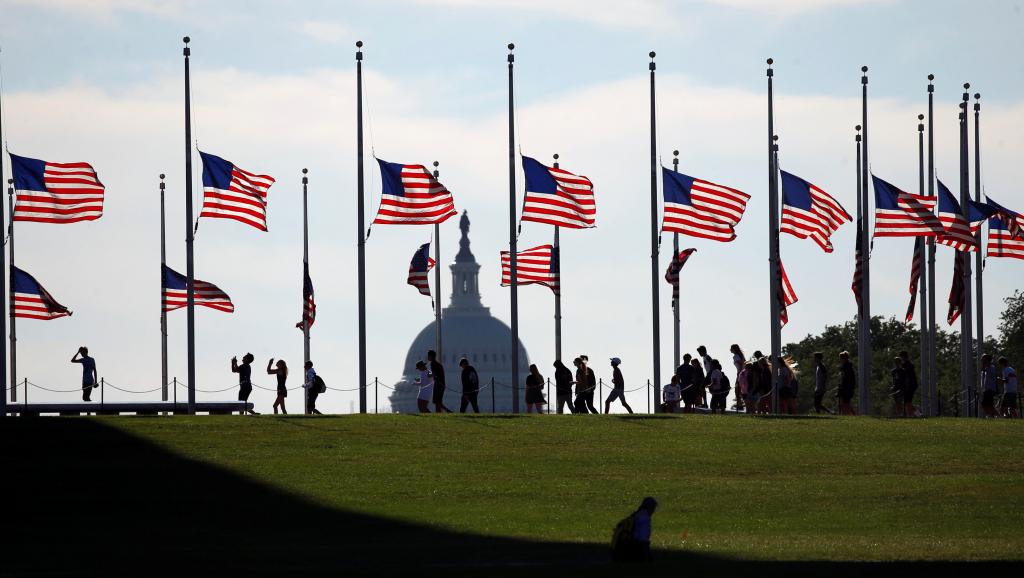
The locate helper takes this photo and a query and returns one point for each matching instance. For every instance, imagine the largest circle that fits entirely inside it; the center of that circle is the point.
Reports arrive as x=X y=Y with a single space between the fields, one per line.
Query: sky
x=273 y=88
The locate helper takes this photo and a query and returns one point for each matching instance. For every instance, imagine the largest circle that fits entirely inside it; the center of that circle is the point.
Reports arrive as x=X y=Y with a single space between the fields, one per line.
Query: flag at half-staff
x=857 y=286
x=902 y=214
x=915 y=276
x=207 y=294
x=956 y=292
x=411 y=195
x=555 y=196
x=420 y=265
x=808 y=211
x=50 y=192
x=1005 y=232
x=672 y=274
x=700 y=208
x=960 y=230
x=232 y=193
x=787 y=296
x=536 y=266
x=31 y=301
x=308 y=302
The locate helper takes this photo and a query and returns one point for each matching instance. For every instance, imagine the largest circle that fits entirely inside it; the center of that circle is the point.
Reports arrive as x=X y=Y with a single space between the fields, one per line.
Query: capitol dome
x=467 y=330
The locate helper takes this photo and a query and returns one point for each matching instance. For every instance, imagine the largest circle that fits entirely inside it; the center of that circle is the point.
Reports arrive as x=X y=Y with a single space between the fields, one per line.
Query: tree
x=1011 y=328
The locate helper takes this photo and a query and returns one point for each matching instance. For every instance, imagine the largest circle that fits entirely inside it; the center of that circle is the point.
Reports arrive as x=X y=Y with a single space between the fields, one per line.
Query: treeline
x=888 y=338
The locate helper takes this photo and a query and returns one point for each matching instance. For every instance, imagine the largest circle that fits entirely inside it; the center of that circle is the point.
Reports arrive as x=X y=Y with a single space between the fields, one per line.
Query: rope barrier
x=107 y=383
x=36 y=385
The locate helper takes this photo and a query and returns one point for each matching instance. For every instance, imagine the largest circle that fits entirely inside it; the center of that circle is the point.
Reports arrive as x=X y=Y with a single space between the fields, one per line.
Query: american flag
x=858 y=273
x=915 y=276
x=232 y=193
x=700 y=208
x=538 y=265
x=958 y=233
x=420 y=265
x=956 y=292
x=206 y=294
x=308 y=303
x=1005 y=232
x=902 y=214
x=30 y=300
x=808 y=211
x=672 y=274
x=787 y=296
x=412 y=196
x=56 y=192
x=557 y=197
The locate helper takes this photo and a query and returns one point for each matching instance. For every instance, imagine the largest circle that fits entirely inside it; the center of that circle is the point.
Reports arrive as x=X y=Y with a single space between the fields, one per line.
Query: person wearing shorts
x=618 y=388
x=244 y=372
x=426 y=383
x=1009 y=380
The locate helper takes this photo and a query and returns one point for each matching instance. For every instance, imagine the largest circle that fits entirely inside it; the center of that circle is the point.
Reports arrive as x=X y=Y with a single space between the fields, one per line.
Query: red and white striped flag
x=206 y=294
x=538 y=265
x=915 y=276
x=902 y=214
x=858 y=272
x=30 y=301
x=808 y=211
x=232 y=193
x=411 y=196
x=787 y=296
x=700 y=208
x=1005 y=232
x=956 y=292
x=55 y=192
x=555 y=196
x=672 y=274
x=420 y=265
x=308 y=301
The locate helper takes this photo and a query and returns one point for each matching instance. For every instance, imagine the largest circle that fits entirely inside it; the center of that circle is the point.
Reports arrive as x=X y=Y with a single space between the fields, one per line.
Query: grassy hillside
x=453 y=494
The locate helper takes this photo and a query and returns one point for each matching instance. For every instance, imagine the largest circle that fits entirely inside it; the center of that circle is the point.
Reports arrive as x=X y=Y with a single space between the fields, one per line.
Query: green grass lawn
x=737 y=488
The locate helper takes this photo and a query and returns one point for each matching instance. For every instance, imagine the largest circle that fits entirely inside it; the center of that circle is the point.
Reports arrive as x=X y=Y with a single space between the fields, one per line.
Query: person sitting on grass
x=426 y=383
x=670 y=396
x=631 y=539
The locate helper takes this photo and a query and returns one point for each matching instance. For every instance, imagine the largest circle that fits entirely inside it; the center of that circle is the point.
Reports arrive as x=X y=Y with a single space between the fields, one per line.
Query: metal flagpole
x=773 y=243
x=865 y=357
x=979 y=259
x=558 y=295
x=676 y=338
x=966 y=325
x=861 y=216
x=163 y=291
x=3 y=302
x=923 y=286
x=655 y=237
x=305 y=264
x=437 y=280
x=360 y=226
x=14 y=332
x=932 y=382
x=190 y=289
x=513 y=258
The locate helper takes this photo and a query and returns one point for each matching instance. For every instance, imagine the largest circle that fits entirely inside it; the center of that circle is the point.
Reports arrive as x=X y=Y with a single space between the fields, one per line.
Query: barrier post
x=175 y=393
x=648 y=396
x=103 y=389
x=600 y=390
x=375 y=396
x=547 y=406
x=492 y=397
x=25 y=384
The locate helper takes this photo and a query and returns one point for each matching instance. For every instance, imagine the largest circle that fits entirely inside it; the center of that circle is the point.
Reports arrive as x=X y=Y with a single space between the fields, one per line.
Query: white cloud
x=635 y=14
x=104 y=9
x=793 y=7
x=326 y=31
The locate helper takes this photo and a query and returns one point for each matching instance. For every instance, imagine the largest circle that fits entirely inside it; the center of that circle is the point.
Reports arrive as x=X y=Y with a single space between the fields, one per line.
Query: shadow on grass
x=84 y=498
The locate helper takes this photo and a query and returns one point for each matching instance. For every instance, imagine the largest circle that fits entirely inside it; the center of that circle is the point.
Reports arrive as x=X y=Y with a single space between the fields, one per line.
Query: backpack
x=319 y=385
x=622 y=535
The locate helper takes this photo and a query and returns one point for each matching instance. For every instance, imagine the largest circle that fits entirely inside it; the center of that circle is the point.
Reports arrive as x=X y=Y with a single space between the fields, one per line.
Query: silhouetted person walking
x=312 y=387
x=426 y=382
x=535 y=390
x=90 y=377
x=847 y=384
x=899 y=385
x=563 y=387
x=437 y=370
x=1009 y=379
x=989 y=384
x=588 y=397
x=470 y=386
x=618 y=387
x=820 y=383
x=281 y=371
x=244 y=372
x=631 y=540
x=910 y=385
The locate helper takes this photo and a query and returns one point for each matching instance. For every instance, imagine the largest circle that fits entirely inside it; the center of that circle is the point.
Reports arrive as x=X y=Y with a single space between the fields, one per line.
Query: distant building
x=467 y=330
